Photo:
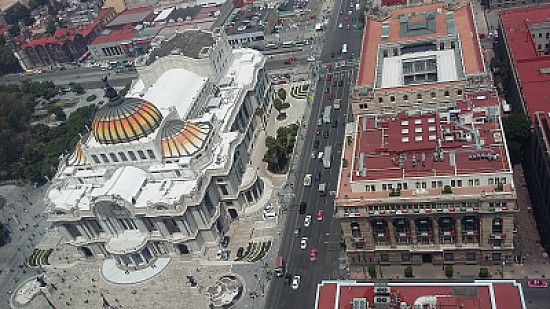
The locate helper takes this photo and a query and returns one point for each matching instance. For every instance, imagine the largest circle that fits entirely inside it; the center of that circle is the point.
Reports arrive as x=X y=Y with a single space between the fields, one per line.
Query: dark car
x=288 y=278
x=225 y=241
x=240 y=252
x=334 y=123
x=340 y=83
x=303 y=206
x=332 y=55
x=325 y=134
x=317 y=176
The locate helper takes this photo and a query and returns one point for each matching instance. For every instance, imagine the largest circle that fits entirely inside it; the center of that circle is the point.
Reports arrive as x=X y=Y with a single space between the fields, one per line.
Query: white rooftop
x=392 y=67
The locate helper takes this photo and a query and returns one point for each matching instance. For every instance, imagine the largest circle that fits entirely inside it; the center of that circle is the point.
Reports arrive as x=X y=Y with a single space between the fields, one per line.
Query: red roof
x=392 y=2
x=524 y=54
x=103 y=12
x=505 y=294
x=63 y=35
x=123 y=34
x=384 y=141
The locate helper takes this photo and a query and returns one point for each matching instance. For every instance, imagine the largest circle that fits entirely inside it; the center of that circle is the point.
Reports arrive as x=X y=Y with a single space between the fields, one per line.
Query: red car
x=346 y=17
x=329 y=77
x=329 y=67
x=313 y=255
x=320 y=215
x=537 y=283
x=318 y=132
x=330 y=96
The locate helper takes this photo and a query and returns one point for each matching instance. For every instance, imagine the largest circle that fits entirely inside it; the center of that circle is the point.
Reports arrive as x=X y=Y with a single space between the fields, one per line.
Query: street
x=322 y=235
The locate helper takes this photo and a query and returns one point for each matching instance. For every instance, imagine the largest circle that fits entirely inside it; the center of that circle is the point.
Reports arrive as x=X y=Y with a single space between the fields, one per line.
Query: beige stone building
x=419 y=58
x=428 y=188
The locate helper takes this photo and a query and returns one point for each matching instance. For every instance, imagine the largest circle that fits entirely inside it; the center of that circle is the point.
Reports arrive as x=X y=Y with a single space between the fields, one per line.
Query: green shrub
x=90 y=98
x=395 y=192
x=350 y=140
x=449 y=270
x=372 y=271
x=344 y=162
x=499 y=188
x=408 y=271
x=483 y=272
x=447 y=190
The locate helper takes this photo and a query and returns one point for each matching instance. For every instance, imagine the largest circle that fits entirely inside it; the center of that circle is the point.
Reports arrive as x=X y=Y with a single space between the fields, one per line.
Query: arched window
x=355 y=229
x=497 y=225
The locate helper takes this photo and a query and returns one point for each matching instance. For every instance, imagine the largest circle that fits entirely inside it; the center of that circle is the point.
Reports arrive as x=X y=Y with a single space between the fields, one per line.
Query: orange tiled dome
x=180 y=139
x=130 y=120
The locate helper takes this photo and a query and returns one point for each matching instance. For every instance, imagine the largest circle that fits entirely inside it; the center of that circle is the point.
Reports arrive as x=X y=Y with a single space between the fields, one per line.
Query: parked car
x=325 y=134
x=535 y=283
x=240 y=252
x=297 y=231
x=225 y=241
x=316 y=144
x=317 y=176
x=330 y=96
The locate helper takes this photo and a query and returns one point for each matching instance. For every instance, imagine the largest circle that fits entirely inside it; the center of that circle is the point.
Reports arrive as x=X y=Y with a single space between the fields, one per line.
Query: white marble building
x=164 y=170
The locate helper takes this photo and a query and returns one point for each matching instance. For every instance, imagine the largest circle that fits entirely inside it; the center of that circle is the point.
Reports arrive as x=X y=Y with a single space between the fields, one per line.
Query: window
x=392 y=98
x=476 y=182
x=459 y=92
x=471 y=257
x=491 y=181
x=405 y=98
x=141 y=155
x=113 y=157
x=95 y=158
x=419 y=96
x=434 y=184
x=448 y=256
x=405 y=257
x=497 y=257
x=151 y=153
x=453 y=44
x=453 y=183
x=380 y=100
x=104 y=158
x=446 y=93
x=470 y=182
x=355 y=230
x=122 y=155
x=223 y=188
x=384 y=257
x=132 y=155
x=433 y=95
x=459 y=183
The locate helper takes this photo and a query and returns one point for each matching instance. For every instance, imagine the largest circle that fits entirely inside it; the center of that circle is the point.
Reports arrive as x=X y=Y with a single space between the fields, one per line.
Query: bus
x=326 y=114
x=345 y=49
x=289 y=44
x=279 y=266
x=327 y=157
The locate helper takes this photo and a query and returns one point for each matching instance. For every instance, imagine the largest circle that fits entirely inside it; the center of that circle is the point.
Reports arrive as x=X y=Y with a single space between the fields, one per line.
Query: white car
x=303 y=243
x=310 y=59
x=340 y=26
x=307 y=221
x=295 y=282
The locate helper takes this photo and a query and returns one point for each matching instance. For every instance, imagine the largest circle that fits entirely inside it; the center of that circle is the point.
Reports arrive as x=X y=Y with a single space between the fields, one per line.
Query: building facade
x=164 y=171
x=428 y=188
x=419 y=58
x=523 y=45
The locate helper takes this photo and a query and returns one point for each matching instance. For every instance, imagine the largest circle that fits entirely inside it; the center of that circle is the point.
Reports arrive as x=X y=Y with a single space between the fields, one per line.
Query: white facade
x=164 y=170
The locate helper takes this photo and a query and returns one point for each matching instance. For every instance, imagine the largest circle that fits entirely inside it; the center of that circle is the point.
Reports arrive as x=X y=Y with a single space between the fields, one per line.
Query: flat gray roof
x=188 y=43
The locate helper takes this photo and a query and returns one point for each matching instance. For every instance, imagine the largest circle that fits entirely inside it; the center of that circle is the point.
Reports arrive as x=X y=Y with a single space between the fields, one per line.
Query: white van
x=320 y=155
x=345 y=49
x=323 y=189
x=307 y=180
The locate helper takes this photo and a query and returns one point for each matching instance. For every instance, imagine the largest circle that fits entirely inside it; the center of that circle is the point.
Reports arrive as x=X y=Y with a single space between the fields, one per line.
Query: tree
x=282 y=94
x=60 y=115
x=517 y=130
x=50 y=25
x=259 y=112
x=77 y=88
x=125 y=90
x=8 y=62
x=278 y=105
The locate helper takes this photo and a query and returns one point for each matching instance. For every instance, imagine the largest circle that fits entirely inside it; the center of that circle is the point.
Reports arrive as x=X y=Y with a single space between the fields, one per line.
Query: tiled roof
x=124 y=34
x=137 y=15
x=531 y=68
x=62 y=35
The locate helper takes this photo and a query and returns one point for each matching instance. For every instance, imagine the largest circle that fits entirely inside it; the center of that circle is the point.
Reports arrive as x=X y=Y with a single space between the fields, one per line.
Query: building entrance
x=426 y=258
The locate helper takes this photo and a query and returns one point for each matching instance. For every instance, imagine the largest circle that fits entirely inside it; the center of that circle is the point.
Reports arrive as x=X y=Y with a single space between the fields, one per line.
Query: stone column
x=435 y=227
x=63 y=230
x=391 y=230
x=458 y=229
x=89 y=228
x=141 y=226
x=162 y=228
x=414 y=239
x=83 y=231
x=105 y=226
x=181 y=226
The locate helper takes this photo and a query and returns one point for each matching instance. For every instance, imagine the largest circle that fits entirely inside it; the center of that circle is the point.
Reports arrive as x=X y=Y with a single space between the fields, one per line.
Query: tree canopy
x=32 y=152
x=517 y=130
